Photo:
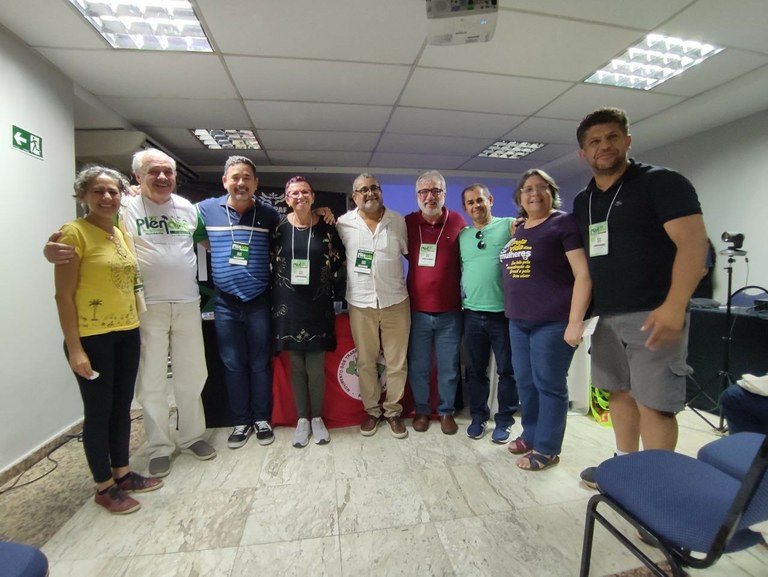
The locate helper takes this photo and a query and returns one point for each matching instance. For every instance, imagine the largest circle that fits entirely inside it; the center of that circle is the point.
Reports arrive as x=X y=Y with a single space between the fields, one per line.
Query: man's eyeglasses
x=481 y=242
x=425 y=192
x=538 y=188
x=367 y=189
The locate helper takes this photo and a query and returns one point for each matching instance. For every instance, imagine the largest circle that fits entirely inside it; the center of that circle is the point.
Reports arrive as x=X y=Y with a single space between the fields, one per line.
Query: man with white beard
x=434 y=274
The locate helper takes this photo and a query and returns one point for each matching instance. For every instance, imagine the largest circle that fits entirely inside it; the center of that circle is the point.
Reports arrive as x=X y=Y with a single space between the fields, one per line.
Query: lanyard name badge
x=300 y=266
x=598 y=239
x=428 y=252
x=238 y=254
x=598 y=231
x=364 y=261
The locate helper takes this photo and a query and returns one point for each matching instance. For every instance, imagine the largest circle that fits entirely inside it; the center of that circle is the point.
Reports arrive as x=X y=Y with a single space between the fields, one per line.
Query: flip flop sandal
x=518 y=447
x=540 y=462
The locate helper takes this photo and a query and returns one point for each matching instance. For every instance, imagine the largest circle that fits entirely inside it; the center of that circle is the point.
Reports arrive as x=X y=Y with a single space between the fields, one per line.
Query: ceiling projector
x=452 y=22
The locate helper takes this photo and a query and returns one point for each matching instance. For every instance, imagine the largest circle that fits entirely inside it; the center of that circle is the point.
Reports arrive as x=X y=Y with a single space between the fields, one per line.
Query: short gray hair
x=431 y=175
x=139 y=158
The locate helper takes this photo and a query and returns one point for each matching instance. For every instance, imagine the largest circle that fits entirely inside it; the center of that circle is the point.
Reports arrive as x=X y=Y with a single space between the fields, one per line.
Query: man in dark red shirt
x=434 y=273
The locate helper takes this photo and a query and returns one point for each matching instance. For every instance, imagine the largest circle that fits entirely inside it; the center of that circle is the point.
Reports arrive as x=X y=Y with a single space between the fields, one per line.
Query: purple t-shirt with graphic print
x=538 y=281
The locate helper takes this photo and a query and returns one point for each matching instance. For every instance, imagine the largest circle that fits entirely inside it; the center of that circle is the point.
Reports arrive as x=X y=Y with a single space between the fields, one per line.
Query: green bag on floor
x=598 y=405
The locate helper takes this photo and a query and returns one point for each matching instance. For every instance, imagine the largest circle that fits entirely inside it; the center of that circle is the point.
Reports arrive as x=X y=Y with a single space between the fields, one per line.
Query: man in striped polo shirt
x=239 y=228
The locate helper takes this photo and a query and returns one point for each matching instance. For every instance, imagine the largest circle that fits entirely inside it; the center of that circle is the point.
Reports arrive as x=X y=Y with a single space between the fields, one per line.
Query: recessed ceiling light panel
x=229 y=139
x=146 y=24
x=655 y=60
x=510 y=149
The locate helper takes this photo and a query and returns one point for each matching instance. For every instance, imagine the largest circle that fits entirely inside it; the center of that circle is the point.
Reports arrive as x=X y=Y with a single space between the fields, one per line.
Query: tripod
x=724 y=379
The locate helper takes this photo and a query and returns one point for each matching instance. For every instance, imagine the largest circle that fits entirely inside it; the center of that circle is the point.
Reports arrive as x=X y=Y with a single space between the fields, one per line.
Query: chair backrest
x=750 y=504
x=747 y=295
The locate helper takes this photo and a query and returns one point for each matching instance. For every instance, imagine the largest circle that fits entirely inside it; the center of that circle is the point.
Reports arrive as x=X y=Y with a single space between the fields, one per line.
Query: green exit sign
x=27 y=142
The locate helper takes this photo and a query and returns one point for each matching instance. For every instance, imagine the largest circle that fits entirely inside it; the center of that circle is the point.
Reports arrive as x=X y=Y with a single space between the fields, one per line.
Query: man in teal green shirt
x=485 y=326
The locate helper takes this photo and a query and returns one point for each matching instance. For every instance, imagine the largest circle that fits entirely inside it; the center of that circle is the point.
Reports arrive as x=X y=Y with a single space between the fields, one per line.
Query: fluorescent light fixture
x=653 y=61
x=510 y=149
x=230 y=139
x=147 y=24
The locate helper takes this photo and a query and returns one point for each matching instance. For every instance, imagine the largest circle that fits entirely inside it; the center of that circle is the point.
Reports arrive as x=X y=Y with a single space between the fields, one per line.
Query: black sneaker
x=264 y=433
x=239 y=436
x=588 y=477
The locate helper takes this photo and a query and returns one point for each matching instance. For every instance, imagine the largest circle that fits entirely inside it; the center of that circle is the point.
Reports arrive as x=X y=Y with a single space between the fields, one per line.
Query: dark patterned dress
x=303 y=317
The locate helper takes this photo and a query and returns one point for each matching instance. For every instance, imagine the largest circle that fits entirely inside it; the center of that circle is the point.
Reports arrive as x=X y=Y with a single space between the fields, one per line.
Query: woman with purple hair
x=308 y=254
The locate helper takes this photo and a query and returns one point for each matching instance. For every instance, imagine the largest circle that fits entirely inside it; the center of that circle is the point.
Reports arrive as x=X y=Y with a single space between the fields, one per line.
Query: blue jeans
x=244 y=337
x=744 y=411
x=541 y=359
x=483 y=332
x=444 y=330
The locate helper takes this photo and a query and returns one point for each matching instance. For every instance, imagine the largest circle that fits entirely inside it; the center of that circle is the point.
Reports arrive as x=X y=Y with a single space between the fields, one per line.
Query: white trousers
x=175 y=328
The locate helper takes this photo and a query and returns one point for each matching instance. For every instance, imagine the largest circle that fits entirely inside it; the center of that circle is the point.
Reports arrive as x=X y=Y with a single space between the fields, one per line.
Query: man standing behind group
x=375 y=240
x=485 y=326
x=433 y=286
x=239 y=228
x=647 y=245
x=160 y=224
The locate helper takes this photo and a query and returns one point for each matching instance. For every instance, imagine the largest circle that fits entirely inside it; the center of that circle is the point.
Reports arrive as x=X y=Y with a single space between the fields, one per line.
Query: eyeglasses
x=425 y=192
x=298 y=193
x=367 y=189
x=538 y=188
x=481 y=242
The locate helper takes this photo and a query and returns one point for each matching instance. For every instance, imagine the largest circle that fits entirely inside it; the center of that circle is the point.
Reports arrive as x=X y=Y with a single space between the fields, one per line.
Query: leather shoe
x=369 y=425
x=448 y=425
x=421 y=423
x=397 y=427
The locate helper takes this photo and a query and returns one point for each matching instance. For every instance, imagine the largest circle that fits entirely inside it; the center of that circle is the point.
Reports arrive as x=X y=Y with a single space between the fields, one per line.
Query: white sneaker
x=301 y=435
x=319 y=432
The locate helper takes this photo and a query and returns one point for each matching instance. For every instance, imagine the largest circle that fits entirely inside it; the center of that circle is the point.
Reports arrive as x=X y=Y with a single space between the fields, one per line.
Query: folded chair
x=691 y=510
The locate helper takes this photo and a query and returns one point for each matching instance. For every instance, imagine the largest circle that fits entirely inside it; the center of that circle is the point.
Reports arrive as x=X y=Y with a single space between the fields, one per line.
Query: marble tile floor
x=429 y=505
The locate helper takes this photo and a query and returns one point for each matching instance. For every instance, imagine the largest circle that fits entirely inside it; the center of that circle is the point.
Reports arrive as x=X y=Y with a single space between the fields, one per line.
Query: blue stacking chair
x=18 y=560
x=691 y=510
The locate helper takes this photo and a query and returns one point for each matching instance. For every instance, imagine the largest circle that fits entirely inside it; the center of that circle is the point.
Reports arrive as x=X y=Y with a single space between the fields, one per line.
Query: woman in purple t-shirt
x=546 y=293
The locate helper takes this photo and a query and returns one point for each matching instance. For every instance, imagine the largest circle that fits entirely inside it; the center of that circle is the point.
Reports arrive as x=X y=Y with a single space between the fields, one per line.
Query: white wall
x=729 y=168
x=38 y=394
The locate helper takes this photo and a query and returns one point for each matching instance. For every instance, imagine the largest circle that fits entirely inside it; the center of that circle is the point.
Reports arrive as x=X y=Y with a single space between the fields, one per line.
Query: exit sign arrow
x=25 y=141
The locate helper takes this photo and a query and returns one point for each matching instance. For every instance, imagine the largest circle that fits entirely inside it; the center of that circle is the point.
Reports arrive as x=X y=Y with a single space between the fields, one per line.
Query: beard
x=427 y=211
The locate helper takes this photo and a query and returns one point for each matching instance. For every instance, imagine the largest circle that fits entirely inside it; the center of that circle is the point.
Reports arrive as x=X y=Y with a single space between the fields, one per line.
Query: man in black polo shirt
x=647 y=245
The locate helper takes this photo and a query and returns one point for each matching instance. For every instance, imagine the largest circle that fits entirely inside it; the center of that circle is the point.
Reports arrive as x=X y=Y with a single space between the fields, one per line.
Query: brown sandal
x=518 y=447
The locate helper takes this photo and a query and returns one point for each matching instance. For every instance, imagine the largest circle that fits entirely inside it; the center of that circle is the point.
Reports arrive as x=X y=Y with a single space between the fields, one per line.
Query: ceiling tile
x=442 y=145
x=317 y=116
x=317 y=80
x=420 y=161
x=475 y=92
x=144 y=74
x=319 y=158
x=584 y=98
x=741 y=24
x=318 y=140
x=645 y=14
x=547 y=130
x=363 y=31
x=51 y=23
x=407 y=120
x=180 y=113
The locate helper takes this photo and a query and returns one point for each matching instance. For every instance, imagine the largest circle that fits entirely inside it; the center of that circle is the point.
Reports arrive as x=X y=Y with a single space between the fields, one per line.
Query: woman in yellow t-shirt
x=97 y=311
